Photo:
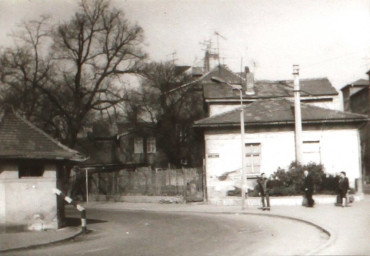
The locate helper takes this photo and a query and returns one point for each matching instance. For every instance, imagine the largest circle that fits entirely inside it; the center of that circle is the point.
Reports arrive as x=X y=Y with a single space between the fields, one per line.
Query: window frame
x=31 y=170
x=258 y=153
x=138 y=145
x=151 y=145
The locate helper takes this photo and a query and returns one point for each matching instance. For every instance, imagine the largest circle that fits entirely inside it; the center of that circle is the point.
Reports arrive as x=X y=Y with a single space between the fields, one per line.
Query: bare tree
x=92 y=49
x=26 y=68
x=60 y=83
x=171 y=114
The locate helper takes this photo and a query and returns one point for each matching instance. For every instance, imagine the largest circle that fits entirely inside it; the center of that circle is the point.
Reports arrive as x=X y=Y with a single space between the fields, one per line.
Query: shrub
x=290 y=182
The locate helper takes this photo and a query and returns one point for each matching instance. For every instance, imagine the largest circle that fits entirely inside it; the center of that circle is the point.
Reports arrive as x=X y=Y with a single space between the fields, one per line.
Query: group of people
x=308 y=188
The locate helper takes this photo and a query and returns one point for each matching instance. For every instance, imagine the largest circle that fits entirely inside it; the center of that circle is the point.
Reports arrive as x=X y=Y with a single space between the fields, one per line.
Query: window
x=213 y=155
x=311 y=152
x=151 y=145
x=253 y=157
x=30 y=170
x=138 y=145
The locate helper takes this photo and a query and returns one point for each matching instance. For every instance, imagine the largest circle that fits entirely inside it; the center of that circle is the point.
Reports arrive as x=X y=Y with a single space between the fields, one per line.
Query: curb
x=327 y=231
x=315 y=251
x=33 y=246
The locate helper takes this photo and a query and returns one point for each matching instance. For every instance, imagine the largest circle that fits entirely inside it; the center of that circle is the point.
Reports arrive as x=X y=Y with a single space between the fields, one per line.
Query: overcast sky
x=327 y=38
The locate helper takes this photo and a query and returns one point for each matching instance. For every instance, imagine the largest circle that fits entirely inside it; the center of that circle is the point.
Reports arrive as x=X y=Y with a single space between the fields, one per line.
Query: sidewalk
x=30 y=239
x=349 y=227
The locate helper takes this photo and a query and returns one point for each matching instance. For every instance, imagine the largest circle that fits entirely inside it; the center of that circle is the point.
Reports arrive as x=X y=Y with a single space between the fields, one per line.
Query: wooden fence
x=186 y=182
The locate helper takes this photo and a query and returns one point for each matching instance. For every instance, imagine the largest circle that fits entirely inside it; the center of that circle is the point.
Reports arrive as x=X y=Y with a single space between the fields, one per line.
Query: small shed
x=32 y=163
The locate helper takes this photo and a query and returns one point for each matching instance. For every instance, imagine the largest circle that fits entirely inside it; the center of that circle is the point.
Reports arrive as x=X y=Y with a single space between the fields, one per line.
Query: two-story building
x=330 y=137
x=356 y=99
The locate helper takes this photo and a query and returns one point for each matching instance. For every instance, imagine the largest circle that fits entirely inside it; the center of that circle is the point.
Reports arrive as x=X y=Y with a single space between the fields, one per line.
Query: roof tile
x=21 y=139
x=267 y=112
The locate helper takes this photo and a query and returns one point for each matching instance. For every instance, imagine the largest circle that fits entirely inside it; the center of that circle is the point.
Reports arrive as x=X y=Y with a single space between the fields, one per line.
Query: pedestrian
x=308 y=188
x=343 y=186
x=263 y=191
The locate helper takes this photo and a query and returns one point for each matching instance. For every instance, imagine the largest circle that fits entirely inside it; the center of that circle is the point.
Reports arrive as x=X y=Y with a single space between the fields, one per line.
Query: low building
x=356 y=99
x=32 y=164
x=330 y=137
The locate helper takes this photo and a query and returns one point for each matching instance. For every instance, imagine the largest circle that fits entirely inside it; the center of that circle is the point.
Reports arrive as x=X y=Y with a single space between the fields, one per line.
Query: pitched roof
x=264 y=89
x=20 y=139
x=357 y=83
x=179 y=70
x=278 y=112
x=269 y=89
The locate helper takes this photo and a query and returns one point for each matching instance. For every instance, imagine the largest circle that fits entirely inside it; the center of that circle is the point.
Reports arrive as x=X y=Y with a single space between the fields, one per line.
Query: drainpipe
x=297 y=116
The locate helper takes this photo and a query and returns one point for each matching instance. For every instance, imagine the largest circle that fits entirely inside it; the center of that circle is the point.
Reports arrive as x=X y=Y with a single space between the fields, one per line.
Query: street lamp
x=244 y=176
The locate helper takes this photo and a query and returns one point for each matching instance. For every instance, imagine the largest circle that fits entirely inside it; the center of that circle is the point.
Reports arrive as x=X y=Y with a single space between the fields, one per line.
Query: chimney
x=249 y=78
x=206 y=62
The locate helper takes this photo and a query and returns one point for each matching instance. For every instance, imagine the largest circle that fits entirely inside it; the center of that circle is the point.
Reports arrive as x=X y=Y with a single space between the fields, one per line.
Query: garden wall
x=186 y=183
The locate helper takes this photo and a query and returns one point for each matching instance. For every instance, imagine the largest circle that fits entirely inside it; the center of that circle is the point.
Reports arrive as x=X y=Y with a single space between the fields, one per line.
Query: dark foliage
x=290 y=182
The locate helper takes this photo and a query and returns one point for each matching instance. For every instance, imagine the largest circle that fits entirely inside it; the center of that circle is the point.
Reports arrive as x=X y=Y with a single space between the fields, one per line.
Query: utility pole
x=297 y=116
x=244 y=175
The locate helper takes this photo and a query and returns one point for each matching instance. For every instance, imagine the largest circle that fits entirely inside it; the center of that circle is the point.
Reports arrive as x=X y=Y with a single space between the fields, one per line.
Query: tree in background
x=171 y=113
x=25 y=69
x=79 y=75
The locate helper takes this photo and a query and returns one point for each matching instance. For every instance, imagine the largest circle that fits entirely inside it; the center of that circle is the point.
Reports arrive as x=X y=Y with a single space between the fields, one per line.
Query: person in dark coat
x=263 y=191
x=308 y=188
x=343 y=186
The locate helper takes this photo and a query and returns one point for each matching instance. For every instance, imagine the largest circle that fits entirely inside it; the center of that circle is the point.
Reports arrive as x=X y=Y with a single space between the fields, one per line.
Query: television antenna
x=218 y=46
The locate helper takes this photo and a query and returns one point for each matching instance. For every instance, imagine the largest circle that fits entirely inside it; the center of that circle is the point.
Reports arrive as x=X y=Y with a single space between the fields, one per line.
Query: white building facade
x=330 y=138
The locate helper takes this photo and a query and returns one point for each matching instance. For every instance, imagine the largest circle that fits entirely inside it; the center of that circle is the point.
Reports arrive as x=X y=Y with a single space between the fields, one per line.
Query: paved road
x=143 y=233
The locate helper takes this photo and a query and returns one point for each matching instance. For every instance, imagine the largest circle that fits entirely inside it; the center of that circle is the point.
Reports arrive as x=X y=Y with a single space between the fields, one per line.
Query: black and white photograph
x=184 y=127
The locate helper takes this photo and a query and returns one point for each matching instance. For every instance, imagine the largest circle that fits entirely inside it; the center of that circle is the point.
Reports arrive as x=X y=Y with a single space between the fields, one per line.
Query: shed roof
x=279 y=112
x=20 y=139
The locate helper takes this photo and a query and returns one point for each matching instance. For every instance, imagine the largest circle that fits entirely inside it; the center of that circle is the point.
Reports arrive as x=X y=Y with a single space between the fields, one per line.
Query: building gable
x=20 y=139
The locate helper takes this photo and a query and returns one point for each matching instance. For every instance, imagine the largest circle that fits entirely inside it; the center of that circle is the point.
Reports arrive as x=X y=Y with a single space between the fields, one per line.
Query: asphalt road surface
x=140 y=233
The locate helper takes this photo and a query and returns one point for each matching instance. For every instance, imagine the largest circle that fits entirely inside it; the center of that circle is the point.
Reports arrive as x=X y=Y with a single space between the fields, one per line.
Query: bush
x=290 y=182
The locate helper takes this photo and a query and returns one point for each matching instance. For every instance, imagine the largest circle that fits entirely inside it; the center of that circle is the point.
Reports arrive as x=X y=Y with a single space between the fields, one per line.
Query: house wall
x=359 y=102
x=29 y=200
x=339 y=151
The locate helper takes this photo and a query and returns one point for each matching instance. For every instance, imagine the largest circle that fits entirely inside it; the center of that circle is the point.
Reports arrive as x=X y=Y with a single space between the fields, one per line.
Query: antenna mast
x=218 y=46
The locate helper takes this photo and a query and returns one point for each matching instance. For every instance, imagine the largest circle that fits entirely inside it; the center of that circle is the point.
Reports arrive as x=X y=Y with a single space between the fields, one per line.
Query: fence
x=186 y=182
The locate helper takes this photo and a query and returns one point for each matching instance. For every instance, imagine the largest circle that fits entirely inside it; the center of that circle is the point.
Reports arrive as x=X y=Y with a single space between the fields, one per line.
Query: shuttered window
x=311 y=152
x=253 y=157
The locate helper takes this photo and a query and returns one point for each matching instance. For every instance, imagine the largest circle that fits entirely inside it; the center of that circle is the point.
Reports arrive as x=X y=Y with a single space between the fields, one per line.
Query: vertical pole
x=244 y=177
x=204 y=180
x=83 y=221
x=87 y=185
x=297 y=115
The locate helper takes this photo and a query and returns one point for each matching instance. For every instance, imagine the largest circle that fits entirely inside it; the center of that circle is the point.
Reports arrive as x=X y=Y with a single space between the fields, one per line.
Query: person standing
x=264 y=191
x=308 y=188
x=343 y=186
